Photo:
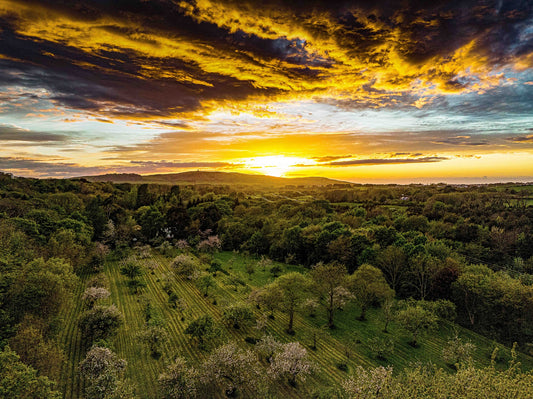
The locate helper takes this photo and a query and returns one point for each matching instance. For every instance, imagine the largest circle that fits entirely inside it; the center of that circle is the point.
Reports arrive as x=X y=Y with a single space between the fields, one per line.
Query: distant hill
x=216 y=178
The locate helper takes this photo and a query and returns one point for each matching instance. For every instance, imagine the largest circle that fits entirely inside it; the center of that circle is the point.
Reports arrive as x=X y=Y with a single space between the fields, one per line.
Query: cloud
x=41 y=168
x=461 y=141
x=23 y=166
x=521 y=139
x=386 y=161
x=15 y=133
x=161 y=58
x=185 y=165
x=329 y=158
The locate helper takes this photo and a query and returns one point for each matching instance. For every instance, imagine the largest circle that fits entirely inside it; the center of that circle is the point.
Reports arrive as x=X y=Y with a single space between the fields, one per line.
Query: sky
x=379 y=91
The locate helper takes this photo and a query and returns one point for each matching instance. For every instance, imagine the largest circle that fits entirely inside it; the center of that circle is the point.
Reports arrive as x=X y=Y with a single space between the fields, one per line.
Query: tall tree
x=293 y=289
x=393 y=263
x=329 y=279
x=368 y=285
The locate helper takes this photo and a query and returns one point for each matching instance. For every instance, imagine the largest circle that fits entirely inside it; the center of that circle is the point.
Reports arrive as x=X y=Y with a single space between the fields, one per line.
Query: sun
x=274 y=165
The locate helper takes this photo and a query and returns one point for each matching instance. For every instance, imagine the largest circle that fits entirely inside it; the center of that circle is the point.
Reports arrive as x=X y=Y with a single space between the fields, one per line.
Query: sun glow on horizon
x=275 y=165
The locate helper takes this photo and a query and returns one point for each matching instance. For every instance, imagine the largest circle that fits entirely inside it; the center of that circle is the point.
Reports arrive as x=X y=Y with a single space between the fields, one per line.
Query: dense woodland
x=256 y=283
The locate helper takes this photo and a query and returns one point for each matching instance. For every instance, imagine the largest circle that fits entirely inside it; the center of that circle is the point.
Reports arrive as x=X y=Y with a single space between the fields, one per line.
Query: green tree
x=100 y=322
x=154 y=337
x=393 y=263
x=41 y=288
x=151 y=221
x=131 y=270
x=177 y=221
x=329 y=279
x=416 y=319
x=238 y=315
x=35 y=350
x=20 y=381
x=202 y=329
x=368 y=286
x=205 y=282
x=293 y=289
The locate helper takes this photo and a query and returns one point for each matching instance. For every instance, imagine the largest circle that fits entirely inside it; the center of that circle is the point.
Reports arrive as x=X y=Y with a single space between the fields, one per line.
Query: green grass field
x=347 y=344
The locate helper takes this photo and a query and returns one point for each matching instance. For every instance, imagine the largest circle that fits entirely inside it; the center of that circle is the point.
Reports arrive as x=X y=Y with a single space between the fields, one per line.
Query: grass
x=339 y=351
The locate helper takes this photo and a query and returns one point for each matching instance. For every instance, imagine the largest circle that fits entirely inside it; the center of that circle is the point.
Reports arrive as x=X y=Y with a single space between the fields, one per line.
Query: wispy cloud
x=17 y=134
x=386 y=161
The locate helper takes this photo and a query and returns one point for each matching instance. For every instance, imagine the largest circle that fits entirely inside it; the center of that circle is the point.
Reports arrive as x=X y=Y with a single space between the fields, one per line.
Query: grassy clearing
x=345 y=345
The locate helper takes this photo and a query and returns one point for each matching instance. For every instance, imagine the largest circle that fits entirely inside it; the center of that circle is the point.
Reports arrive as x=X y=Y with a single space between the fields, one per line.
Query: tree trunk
x=291 y=319
x=363 y=313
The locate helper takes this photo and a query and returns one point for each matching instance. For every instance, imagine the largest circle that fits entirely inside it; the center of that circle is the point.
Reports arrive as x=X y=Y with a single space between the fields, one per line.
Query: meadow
x=338 y=351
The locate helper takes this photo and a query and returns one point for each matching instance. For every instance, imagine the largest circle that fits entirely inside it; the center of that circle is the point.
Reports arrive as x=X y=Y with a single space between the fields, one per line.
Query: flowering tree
x=102 y=370
x=457 y=351
x=179 y=381
x=92 y=294
x=210 y=244
x=291 y=362
x=233 y=368
x=370 y=383
x=185 y=265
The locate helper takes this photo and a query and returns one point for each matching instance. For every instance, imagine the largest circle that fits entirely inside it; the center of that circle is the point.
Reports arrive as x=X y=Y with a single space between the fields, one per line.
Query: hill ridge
x=213 y=177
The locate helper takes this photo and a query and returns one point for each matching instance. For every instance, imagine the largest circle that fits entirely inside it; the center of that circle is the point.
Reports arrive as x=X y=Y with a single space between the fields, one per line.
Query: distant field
x=346 y=344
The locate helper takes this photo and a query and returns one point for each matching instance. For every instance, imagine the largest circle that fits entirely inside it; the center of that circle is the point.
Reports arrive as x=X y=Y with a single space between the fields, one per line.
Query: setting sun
x=275 y=165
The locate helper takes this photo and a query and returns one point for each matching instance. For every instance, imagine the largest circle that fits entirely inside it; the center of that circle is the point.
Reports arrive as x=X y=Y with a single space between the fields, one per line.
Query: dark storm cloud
x=158 y=58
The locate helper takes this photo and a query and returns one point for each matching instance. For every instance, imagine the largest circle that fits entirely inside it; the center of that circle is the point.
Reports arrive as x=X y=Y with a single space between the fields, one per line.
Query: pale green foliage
x=426 y=382
x=292 y=289
x=416 y=320
x=368 y=286
x=370 y=383
x=381 y=347
x=205 y=282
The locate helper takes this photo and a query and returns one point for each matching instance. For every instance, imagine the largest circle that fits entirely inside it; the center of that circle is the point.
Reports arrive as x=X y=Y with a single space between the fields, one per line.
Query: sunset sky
x=365 y=91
